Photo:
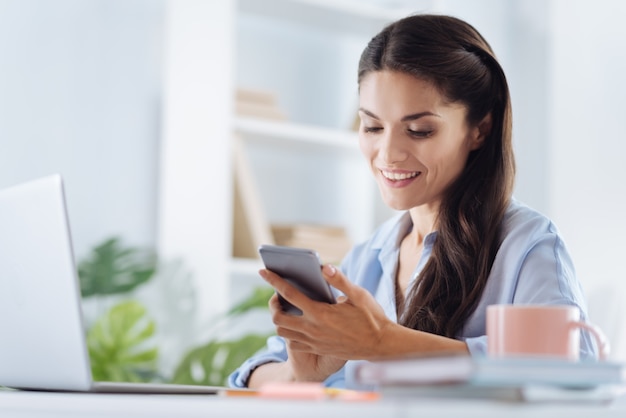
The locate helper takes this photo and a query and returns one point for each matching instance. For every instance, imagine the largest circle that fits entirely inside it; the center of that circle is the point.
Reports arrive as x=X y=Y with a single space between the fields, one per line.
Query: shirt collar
x=396 y=229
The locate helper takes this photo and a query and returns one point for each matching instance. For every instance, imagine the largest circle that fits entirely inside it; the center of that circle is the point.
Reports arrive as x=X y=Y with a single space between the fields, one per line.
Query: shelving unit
x=295 y=135
x=308 y=169
x=280 y=138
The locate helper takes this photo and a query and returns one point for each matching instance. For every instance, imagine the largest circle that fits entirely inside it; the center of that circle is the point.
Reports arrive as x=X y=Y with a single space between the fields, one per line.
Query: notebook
x=42 y=339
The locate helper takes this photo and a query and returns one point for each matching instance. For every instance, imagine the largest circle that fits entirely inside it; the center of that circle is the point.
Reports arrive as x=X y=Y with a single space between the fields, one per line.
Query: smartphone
x=302 y=268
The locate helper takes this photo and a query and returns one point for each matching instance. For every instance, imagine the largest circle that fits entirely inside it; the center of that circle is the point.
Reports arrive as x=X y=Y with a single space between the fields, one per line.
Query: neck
x=424 y=220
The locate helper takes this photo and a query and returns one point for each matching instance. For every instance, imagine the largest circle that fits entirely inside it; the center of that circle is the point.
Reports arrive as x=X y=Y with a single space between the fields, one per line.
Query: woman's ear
x=482 y=130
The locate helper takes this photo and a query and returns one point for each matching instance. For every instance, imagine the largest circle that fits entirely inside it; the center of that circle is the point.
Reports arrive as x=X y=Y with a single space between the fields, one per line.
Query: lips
x=397 y=176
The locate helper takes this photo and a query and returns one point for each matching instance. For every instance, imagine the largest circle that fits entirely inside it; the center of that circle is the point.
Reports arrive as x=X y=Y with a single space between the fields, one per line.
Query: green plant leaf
x=212 y=363
x=117 y=345
x=259 y=299
x=112 y=268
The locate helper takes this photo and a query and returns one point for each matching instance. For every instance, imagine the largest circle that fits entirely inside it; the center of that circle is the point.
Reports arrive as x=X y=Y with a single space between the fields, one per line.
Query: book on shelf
x=356 y=122
x=250 y=226
x=259 y=111
x=331 y=242
x=255 y=96
x=257 y=103
x=503 y=378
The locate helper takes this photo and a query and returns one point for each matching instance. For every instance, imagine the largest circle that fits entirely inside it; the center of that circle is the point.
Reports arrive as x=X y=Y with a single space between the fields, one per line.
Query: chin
x=395 y=205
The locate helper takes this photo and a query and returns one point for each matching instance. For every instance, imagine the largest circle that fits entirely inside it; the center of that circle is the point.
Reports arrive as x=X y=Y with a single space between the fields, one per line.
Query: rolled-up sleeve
x=477 y=346
x=275 y=351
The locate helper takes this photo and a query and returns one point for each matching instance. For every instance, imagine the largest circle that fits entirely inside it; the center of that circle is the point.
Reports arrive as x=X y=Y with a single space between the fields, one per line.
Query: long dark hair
x=452 y=55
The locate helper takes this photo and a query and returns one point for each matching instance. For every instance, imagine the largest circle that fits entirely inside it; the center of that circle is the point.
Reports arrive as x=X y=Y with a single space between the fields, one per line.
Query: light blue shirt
x=532 y=266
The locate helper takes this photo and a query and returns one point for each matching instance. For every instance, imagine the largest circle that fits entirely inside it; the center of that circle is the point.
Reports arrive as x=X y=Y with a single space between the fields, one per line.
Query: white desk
x=42 y=404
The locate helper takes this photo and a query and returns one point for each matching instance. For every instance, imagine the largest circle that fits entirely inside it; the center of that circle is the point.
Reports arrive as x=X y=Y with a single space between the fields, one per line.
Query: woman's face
x=415 y=142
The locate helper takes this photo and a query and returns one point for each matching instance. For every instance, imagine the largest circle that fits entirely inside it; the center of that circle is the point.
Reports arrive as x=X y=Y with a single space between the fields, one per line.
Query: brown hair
x=452 y=55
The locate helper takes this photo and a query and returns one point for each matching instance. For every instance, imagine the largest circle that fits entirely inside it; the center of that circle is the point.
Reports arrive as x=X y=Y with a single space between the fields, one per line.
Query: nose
x=392 y=147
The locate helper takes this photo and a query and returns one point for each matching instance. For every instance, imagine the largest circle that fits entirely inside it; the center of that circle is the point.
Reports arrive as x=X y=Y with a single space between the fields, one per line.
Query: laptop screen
x=43 y=341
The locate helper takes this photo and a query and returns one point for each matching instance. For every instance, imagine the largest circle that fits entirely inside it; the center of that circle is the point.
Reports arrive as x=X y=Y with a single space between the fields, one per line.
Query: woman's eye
x=420 y=134
x=371 y=129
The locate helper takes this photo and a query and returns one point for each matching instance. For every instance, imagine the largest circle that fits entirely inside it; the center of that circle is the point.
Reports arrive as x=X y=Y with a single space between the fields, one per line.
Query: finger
x=274 y=304
x=280 y=318
x=299 y=346
x=292 y=335
x=286 y=290
x=339 y=281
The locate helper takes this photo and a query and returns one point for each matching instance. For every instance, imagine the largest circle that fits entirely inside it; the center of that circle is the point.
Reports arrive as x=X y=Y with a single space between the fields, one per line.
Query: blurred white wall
x=80 y=90
x=588 y=131
x=587 y=174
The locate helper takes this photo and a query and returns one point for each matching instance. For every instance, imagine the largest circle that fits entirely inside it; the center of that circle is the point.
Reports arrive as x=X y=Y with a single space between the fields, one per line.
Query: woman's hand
x=328 y=334
x=310 y=367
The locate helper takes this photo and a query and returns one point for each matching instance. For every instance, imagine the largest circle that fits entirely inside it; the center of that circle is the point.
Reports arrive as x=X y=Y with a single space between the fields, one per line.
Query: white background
x=81 y=94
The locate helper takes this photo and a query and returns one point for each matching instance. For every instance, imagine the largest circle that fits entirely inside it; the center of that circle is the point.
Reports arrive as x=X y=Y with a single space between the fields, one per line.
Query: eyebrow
x=406 y=118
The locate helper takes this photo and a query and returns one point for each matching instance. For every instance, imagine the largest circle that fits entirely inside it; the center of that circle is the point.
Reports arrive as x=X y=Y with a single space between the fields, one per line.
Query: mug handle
x=601 y=340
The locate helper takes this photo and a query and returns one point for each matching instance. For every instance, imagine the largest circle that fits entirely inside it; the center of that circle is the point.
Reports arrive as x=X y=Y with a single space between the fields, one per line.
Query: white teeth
x=399 y=176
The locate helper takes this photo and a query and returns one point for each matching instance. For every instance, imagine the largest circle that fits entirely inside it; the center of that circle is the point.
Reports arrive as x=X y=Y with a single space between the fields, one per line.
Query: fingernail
x=263 y=273
x=330 y=270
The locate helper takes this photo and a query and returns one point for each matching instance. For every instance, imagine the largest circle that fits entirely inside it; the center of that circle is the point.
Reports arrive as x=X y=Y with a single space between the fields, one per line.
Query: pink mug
x=539 y=330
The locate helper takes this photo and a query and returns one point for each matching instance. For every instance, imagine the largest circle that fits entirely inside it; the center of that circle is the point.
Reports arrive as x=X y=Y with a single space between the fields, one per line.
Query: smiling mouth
x=399 y=176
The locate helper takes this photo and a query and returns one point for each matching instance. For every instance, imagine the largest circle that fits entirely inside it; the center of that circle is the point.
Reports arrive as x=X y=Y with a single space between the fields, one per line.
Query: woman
x=436 y=130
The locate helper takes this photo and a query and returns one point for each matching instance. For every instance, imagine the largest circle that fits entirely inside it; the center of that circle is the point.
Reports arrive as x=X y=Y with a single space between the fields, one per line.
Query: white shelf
x=245 y=266
x=244 y=276
x=297 y=135
x=347 y=16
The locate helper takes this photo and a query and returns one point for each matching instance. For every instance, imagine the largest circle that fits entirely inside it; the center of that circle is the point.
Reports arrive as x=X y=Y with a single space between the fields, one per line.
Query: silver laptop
x=42 y=339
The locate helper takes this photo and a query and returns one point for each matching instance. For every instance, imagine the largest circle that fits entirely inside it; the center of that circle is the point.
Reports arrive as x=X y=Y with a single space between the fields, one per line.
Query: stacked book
x=258 y=104
x=330 y=242
x=510 y=379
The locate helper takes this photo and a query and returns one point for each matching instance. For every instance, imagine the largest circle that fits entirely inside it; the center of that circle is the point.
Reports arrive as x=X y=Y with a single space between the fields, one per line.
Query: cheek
x=448 y=165
x=449 y=159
